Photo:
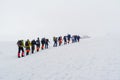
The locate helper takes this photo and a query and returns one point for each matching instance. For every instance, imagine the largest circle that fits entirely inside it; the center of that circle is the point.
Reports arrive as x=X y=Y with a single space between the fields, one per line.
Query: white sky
x=21 y=19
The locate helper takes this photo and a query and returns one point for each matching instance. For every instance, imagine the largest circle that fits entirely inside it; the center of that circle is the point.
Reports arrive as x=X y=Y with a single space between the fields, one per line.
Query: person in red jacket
x=60 y=40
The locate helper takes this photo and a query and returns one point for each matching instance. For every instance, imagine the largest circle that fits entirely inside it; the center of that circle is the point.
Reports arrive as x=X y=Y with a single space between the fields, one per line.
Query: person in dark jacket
x=55 y=41
x=46 y=43
x=27 y=46
x=20 y=44
x=73 y=38
x=78 y=38
x=43 y=43
x=33 y=43
x=68 y=36
x=65 y=39
x=37 y=44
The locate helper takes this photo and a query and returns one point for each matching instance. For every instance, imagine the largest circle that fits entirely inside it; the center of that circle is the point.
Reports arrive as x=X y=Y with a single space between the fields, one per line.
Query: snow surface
x=91 y=59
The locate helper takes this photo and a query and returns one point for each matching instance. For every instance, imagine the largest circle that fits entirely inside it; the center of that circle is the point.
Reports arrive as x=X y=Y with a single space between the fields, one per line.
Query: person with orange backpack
x=20 y=44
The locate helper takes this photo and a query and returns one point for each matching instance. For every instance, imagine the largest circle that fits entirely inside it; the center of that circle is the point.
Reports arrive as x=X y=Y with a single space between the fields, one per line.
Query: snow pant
x=27 y=50
x=55 y=44
x=33 y=48
x=78 y=40
x=37 y=47
x=46 y=46
x=42 y=46
x=60 y=42
x=20 y=49
x=68 y=40
x=65 y=41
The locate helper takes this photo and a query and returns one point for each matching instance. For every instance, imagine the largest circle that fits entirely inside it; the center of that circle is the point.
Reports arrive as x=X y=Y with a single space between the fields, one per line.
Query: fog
x=22 y=19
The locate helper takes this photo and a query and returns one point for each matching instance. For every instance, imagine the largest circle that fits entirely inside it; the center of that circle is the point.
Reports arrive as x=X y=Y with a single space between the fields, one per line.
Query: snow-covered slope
x=91 y=59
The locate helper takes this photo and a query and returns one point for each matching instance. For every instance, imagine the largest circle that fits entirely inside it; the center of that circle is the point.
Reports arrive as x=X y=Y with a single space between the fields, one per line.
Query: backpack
x=19 y=43
x=37 y=42
x=27 y=43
